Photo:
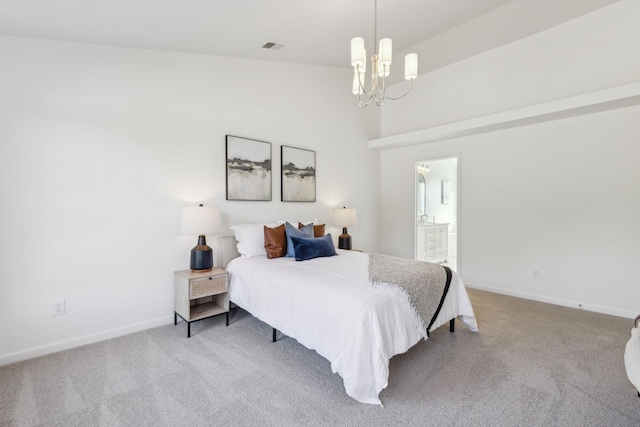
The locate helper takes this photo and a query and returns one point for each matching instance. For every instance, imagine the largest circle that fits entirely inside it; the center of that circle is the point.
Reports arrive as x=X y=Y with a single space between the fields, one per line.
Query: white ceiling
x=312 y=32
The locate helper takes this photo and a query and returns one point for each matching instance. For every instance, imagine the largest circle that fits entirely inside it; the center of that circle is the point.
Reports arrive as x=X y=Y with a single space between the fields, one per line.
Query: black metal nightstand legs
x=176 y=315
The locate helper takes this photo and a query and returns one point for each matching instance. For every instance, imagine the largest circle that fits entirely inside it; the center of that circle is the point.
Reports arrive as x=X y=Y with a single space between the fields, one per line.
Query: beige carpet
x=532 y=364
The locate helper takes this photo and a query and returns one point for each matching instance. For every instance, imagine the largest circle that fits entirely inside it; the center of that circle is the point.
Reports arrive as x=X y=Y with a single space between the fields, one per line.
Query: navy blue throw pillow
x=309 y=248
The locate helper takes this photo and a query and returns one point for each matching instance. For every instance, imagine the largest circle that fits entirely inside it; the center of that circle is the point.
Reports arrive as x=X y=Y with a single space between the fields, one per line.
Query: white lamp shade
x=200 y=220
x=358 y=53
x=385 y=51
x=345 y=217
x=411 y=66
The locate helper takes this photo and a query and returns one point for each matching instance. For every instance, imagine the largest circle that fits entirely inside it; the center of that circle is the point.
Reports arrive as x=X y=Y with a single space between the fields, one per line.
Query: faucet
x=424 y=219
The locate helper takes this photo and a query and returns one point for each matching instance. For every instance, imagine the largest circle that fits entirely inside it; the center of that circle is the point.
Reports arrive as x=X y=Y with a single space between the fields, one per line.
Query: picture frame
x=248 y=170
x=445 y=192
x=298 y=179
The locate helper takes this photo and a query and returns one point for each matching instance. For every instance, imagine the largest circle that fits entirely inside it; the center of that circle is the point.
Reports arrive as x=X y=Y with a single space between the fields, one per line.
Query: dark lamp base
x=201 y=256
x=344 y=240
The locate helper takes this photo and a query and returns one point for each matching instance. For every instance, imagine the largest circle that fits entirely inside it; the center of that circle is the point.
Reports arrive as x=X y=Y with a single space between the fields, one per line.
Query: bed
x=328 y=305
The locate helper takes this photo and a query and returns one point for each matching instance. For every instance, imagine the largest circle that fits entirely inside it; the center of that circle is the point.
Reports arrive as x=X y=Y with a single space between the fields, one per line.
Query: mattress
x=329 y=305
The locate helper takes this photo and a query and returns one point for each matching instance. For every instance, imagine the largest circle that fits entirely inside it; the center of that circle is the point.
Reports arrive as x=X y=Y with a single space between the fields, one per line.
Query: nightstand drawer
x=205 y=286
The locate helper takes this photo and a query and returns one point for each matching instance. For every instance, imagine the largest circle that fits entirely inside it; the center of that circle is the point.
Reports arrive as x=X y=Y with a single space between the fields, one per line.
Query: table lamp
x=345 y=218
x=200 y=220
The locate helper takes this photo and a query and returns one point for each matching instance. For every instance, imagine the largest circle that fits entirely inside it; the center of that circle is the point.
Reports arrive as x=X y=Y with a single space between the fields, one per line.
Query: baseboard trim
x=31 y=353
x=556 y=301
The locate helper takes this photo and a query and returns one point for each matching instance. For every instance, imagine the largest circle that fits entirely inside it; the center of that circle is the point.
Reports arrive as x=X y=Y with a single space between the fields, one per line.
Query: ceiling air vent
x=273 y=46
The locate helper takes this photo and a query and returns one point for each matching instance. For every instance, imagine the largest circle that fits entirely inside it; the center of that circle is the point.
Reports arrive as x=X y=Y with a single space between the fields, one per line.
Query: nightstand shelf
x=198 y=296
x=207 y=309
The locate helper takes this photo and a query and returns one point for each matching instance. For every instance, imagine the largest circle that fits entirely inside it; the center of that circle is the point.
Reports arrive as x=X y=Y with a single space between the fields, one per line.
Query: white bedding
x=328 y=305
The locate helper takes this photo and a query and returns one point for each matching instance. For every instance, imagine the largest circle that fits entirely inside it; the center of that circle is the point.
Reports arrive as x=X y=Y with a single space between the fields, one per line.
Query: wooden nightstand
x=199 y=296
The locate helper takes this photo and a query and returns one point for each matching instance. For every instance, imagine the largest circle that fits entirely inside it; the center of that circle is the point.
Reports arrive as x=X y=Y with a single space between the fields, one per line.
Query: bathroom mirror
x=421 y=196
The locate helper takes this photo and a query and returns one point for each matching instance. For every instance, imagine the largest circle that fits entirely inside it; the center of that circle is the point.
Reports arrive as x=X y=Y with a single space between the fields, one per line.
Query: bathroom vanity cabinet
x=432 y=242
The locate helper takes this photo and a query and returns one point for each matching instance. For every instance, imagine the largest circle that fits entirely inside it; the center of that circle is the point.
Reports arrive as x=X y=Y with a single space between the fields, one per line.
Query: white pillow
x=250 y=239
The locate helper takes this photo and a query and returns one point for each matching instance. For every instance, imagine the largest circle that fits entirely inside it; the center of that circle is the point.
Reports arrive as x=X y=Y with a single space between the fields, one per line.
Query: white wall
x=592 y=52
x=512 y=21
x=101 y=146
x=560 y=196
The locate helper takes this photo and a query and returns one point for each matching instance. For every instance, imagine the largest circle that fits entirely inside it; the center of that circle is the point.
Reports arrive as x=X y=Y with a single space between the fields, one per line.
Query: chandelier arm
x=367 y=93
x=405 y=94
x=380 y=93
x=362 y=104
x=360 y=83
x=380 y=97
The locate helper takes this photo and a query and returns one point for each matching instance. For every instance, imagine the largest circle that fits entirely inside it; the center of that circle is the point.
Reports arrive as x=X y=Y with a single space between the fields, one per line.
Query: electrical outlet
x=58 y=307
x=535 y=274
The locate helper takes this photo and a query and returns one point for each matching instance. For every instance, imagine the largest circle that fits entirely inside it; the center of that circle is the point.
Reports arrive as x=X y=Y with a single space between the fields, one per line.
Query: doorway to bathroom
x=436 y=212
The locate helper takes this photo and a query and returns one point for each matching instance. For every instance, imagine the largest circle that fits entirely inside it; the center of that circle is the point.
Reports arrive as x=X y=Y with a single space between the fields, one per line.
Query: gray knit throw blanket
x=425 y=284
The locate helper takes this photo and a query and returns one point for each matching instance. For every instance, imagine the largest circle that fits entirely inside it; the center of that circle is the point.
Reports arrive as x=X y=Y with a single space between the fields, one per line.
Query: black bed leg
x=452 y=325
x=273 y=338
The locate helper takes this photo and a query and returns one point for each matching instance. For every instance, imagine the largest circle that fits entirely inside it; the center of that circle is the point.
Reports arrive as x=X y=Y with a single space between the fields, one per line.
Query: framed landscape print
x=298 y=183
x=248 y=169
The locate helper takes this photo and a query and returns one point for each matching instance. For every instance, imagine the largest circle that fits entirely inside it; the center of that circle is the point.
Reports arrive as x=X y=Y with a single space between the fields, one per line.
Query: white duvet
x=329 y=306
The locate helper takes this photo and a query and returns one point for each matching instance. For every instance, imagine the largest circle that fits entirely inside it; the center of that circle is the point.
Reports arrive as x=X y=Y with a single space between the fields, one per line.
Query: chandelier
x=380 y=68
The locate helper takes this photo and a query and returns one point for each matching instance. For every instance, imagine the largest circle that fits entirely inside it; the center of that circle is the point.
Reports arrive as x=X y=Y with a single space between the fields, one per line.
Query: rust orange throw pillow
x=275 y=241
x=318 y=230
